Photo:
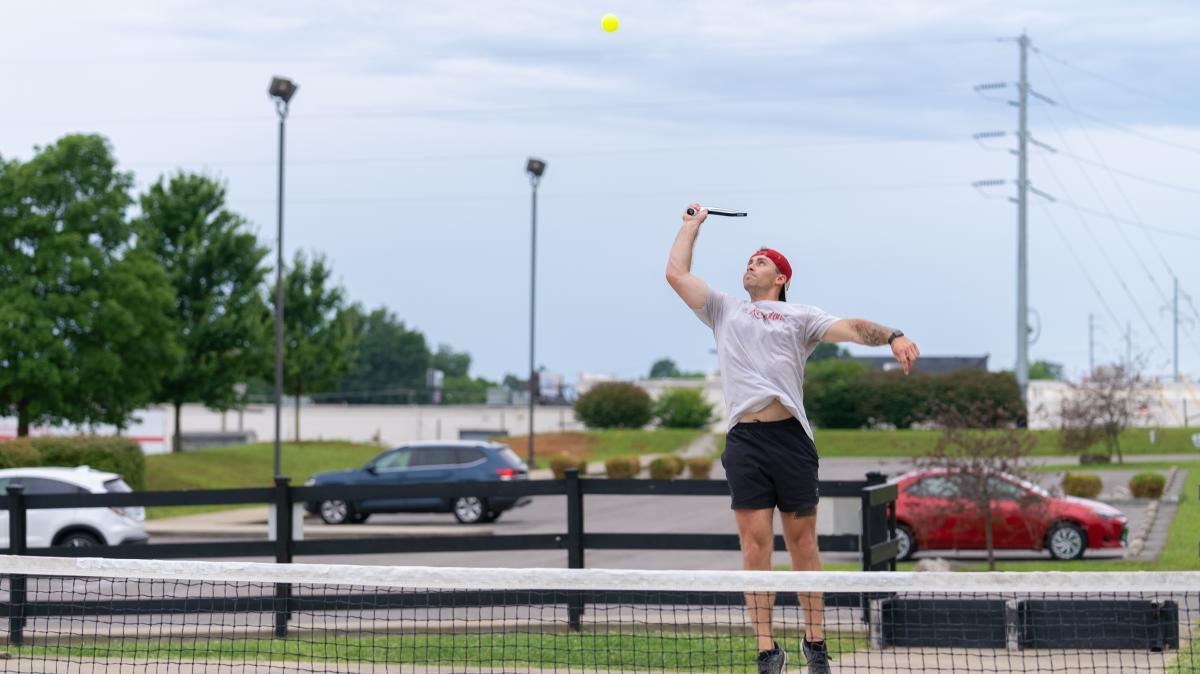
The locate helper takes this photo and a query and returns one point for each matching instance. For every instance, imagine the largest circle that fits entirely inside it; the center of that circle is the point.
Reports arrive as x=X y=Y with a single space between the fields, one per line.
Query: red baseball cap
x=780 y=261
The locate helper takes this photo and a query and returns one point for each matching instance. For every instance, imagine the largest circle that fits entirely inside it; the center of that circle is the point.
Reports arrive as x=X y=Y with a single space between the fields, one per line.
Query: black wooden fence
x=876 y=542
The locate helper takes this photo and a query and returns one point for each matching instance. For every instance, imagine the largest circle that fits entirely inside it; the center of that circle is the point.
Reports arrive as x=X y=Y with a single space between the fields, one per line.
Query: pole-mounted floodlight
x=282 y=89
x=535 y=168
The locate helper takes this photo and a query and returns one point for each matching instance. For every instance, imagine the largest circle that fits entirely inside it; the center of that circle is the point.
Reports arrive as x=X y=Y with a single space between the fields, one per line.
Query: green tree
x=1044 y=369
x=389 y=363
x=834 y=393
x=86 y=312
x=828 y=351
x=318 y=328
x=216 y=268
x=452 y=363
x=664 y=368
x=465 y=390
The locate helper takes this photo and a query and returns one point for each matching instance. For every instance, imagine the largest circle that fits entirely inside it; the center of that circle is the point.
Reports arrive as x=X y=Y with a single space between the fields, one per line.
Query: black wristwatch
x=895 y=334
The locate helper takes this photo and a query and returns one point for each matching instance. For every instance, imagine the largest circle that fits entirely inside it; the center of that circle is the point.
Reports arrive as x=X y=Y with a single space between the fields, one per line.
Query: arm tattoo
x=871 y=334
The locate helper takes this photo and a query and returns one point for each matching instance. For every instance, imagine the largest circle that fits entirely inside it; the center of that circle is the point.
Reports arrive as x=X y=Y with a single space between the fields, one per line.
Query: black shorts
x=771 y=464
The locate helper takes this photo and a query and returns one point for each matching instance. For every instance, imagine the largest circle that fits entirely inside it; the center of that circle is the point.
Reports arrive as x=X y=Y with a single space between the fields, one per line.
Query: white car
x=73 y=527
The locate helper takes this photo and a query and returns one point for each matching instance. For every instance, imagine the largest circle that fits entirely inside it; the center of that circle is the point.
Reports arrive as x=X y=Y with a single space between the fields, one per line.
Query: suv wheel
x=78 y=539
x=335 y=511
x=470 y=510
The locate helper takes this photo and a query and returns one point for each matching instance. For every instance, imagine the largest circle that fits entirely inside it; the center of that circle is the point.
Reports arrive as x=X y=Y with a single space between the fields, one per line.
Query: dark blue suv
x=426 y=462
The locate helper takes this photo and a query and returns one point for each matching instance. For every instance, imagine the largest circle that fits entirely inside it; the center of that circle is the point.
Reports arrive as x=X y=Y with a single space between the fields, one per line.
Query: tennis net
x=134 y=616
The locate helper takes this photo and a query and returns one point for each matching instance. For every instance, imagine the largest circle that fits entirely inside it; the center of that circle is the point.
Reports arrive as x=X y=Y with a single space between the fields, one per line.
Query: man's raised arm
x=691 y=288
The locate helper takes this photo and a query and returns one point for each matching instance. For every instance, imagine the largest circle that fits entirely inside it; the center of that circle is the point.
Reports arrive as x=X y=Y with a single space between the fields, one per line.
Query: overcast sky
x=844 y=128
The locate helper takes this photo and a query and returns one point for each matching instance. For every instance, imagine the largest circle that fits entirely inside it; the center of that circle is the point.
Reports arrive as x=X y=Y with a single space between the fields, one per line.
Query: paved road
x=652 y=514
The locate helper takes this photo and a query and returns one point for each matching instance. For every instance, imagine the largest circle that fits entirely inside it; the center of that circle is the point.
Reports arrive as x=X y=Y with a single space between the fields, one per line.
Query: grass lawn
x=851 y=443
x=245 y=466
x=253 y=465
x=636 y=648
x=600 y=445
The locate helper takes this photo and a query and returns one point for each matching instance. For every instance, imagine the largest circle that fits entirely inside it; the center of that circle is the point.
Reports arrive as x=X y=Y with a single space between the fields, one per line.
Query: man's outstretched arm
x=858 y=331
x=690 y=287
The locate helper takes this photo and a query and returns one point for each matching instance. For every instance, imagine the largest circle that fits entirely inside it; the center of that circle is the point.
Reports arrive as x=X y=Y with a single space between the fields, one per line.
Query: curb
x=1138 y=541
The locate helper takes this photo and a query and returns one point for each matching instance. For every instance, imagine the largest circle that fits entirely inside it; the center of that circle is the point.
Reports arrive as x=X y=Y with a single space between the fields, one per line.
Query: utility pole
x=1128 y=347
x=1175 y=316
x=1091 y=344
x=1022 y=203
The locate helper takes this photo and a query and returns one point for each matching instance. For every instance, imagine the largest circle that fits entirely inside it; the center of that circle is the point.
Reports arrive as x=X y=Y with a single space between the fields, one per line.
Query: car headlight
x=1105 y=514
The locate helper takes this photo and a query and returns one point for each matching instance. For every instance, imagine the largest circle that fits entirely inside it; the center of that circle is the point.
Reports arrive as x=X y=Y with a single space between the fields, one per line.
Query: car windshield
x=117 y=486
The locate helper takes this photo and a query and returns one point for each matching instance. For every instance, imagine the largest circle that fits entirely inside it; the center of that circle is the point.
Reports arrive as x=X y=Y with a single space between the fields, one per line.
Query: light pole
x=281 y=90
x=535 y=168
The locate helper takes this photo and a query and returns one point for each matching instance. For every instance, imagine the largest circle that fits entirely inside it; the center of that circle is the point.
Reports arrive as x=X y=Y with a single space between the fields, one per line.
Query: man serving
x=770 y=459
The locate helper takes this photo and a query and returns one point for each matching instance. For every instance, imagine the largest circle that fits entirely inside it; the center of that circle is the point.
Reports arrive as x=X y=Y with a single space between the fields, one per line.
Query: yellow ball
x=609 y=22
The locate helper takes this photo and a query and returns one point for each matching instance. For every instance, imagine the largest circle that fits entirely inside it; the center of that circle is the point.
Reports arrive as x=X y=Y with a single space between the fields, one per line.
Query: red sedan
x=937 y=510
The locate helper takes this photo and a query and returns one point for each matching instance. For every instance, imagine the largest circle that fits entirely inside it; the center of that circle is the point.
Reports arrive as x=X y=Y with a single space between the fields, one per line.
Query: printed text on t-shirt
x=768 y=316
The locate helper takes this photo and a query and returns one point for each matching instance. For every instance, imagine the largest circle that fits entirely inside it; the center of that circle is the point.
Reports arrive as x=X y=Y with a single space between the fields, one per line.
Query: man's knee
x=757 y=547
x=803 y=529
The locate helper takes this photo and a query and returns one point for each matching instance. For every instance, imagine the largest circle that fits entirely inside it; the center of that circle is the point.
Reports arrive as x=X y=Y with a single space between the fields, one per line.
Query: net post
x=17 y=545
x=574 y=542
x=283 y=550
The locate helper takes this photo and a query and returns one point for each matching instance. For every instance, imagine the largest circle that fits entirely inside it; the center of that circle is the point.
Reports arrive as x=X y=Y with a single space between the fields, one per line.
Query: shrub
x=842 y=394
x=623 y=467
x=614 y=405
x=112 y=454
x=19 y=453
x=561 y=462
x=834 y=393
x=666 y=467
x=1092 y=457
x=1083 y=485
x=683 y=408
x=1147 y=485
x=699 y=467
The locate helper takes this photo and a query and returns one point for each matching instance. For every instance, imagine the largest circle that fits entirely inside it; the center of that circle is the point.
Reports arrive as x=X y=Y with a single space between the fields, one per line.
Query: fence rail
x=876 y=541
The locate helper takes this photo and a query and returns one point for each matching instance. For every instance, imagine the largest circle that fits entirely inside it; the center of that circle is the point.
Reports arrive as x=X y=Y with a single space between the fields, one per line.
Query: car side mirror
x=370 y=468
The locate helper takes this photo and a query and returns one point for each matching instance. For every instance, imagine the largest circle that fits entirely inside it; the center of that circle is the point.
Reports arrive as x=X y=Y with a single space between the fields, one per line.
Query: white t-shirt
x=762 y=347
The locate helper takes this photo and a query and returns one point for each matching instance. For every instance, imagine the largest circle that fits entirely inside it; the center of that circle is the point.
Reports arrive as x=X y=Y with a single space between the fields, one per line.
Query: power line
x=1079 y=261
x=1115 y=270
x=853 y=187
x=757 y=49
x=1105 y=78
x=508 y=156
x=1129 y=174
x=1125 y=221
x=1116 y=184
x=1132 y=131
x=1100 y=197
x=708 y=102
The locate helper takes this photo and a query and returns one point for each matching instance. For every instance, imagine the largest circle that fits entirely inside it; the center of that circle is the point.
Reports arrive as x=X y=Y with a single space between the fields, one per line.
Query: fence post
x=16 y=546
x=874 y=524
x=283 y=551
x=574 y=542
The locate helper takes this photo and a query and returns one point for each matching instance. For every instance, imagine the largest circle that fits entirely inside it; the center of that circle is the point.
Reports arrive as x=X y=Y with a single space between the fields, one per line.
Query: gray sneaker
x=772 y=661
x=817 y=656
